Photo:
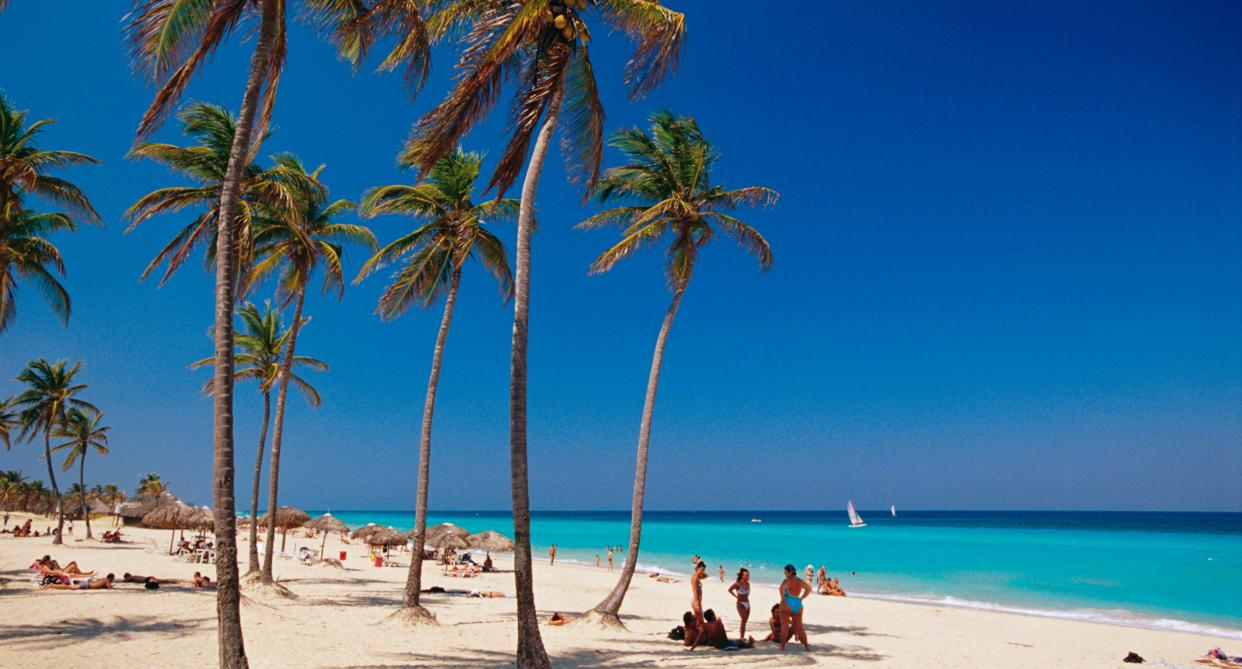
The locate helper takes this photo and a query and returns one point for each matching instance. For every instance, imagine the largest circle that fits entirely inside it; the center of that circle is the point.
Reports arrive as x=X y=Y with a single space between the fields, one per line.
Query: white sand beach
x=337 y=620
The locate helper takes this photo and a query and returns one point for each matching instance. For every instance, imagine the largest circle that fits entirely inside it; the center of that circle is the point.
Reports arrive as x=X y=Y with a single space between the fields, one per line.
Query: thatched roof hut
x=490 y=541
x=201 y=519
x=174 y=516
x=136 y=508
x=100 y=507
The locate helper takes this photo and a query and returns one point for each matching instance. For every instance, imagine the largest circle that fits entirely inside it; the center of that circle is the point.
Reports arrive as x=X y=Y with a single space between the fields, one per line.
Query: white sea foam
x=1105 y=616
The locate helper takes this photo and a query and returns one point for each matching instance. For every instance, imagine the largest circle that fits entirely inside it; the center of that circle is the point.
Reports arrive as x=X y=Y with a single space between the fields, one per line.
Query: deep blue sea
x=1170 y=570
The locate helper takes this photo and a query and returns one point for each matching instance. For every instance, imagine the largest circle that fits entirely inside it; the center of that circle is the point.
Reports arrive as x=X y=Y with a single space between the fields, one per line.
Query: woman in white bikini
x=741 y=591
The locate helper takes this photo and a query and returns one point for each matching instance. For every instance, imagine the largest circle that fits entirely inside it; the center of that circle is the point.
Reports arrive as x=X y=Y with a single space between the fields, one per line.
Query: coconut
x=559 y=22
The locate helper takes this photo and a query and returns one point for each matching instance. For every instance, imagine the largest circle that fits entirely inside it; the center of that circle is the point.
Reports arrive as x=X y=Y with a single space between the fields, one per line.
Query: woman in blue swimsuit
x=793 y=591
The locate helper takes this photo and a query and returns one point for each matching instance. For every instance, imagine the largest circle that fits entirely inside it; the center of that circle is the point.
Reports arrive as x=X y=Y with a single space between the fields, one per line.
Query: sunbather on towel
x=104 y=583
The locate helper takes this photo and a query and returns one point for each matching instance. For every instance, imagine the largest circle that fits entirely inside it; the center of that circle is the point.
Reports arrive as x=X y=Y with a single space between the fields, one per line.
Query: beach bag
x=677 y=633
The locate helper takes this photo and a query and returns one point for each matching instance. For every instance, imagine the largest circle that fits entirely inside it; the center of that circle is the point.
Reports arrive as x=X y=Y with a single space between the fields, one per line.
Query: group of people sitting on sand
x=110 y=537
x=22 y=530
x=704 y=628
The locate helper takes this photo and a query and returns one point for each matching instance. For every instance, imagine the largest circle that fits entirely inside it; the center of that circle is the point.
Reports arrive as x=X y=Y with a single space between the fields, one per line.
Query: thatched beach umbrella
x=490 y=541
x=386 y=537
x=286 y=517
x=437 y=532
x=448 y=540
x=366 y=531
x=201 y=519
x=100 y=507
x=169 y=517
x=135 y=509
x=327 y=523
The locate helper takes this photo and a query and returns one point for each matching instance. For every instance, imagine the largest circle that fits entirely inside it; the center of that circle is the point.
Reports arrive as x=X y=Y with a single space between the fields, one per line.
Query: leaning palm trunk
x=86 y=515
x=60 y=503
x=254 y=486
x=609 y=608
x=278 y=428
x=530 y=651
x=414 y=581
x=228 y=594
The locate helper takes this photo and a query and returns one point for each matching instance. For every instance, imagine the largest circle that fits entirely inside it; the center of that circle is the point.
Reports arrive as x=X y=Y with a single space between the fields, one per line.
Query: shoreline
x=338 y=620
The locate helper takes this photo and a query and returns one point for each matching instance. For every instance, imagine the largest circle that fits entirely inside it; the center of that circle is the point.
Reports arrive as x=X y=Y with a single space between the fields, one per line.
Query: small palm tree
x=433 y=256
x=543 y=45
x=12 y=483
x=82 y=429
x=37 y=498
x=25 y=253
x=151 y=485
x=260 y=343
x=294 y=242
x=206 y=163
x=667 y=183
x=49 y=396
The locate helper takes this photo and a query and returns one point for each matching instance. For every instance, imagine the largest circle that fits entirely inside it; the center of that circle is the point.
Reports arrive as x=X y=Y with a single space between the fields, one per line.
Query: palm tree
x=260 y=342
x=8 y=422
x=24 y=251
x=35 y=498
x=82 y=429
x=49 y=396
x=433 y=255
x=169 y=42
x=206 y=163
x=111 y=495
x=151 y=485
x=294 y=242
x=544 y=45
x=12 y=487
x=667 y=183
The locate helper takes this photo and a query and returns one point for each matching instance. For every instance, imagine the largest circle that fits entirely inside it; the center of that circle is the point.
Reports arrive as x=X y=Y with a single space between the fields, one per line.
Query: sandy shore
x=336 y=621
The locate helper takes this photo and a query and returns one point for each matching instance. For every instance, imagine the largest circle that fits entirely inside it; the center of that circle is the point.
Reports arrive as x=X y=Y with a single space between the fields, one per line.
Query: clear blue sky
x=1008 y=272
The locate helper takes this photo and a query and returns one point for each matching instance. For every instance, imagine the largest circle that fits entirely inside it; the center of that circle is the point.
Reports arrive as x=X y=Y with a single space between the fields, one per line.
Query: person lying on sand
x=46 y=565
x=104 y=583
x=556 y=619
x=713 y=634
x=136 y=578
x=201 y=581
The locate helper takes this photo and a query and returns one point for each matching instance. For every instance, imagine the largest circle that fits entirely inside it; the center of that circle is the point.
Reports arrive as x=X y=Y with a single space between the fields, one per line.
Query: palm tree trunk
x=60 y=503
x=414 y=580
x=278 y=428
x=611 y=605
x=254 y=486
x=530 y=650
x=82 y=489
x=232 y=648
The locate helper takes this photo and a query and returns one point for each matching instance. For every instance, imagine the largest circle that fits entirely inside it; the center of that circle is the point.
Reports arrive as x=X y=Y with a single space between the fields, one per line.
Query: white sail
x=893 y=510
x=855 y=519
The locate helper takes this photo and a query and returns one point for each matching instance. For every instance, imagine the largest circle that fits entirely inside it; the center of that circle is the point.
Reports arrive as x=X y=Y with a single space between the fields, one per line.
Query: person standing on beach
x=597 y=560
x=741 y=592
x=696 y=590
x=609 y=559
x=793 y=590
x=552 y=555
x=720 y=571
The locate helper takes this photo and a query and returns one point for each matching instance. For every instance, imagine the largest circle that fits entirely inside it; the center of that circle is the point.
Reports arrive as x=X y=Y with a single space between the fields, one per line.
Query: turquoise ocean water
x=1170 y=570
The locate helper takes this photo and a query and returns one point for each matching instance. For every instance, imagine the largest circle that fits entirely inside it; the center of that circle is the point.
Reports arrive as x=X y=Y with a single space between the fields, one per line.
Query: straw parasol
x=327 y=523
x=201 y=519
x=286 y=517
x=438 y=531
x=447 y=540
x=386 y=536
x=135 y=509
x=490 y=541
x=172 y=516
x=366 y=531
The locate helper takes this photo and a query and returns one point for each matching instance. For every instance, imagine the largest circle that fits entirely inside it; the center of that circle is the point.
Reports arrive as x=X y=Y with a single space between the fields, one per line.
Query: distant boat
x=855 y=519
x=756 y=520
x=893 y=510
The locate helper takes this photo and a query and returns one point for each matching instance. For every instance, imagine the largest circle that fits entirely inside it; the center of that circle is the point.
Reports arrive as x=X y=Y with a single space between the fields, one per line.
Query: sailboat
x=855 y=519
x=893 y=510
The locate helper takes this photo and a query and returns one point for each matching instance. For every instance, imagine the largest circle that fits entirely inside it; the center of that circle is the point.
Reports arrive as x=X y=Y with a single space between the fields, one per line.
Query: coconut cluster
x=562 y=20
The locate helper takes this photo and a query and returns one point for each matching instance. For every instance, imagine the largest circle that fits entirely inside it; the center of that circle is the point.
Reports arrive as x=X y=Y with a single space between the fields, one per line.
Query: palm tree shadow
x=83 y=630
